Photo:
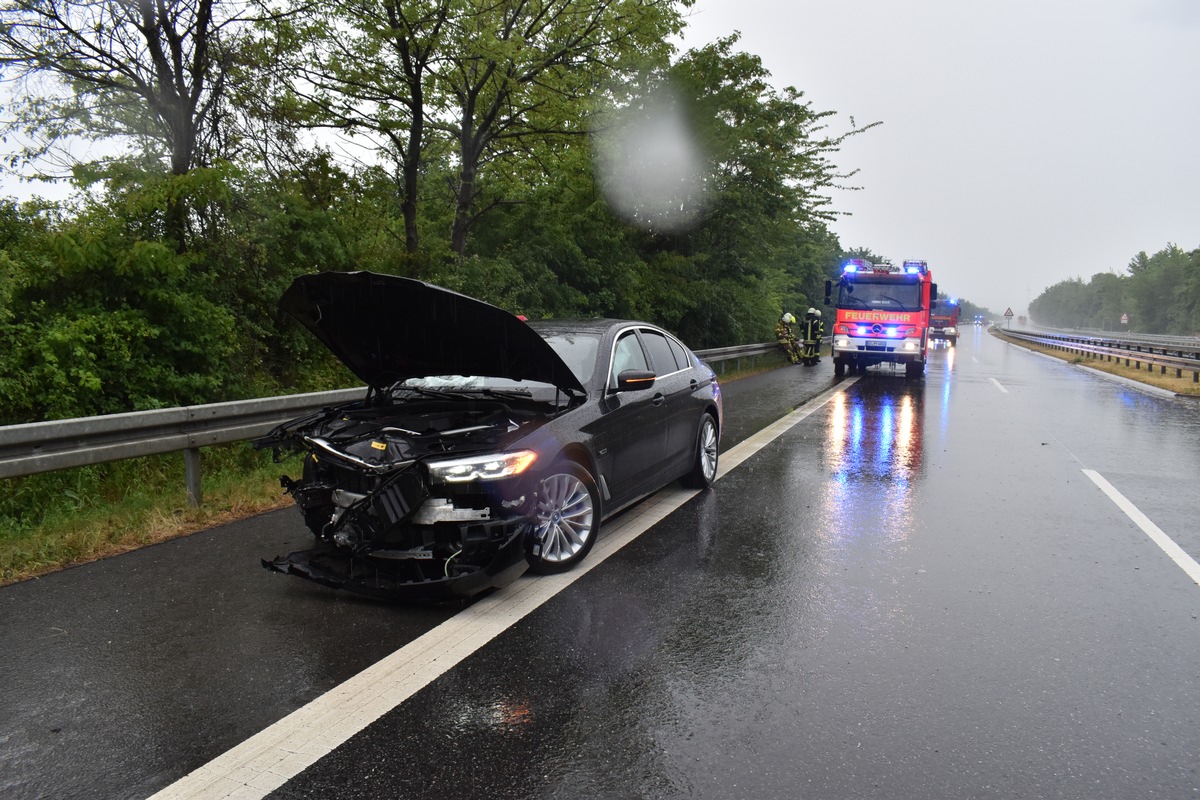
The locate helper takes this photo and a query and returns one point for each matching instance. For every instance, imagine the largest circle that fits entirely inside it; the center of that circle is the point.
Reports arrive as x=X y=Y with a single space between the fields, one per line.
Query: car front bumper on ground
x=382 y=578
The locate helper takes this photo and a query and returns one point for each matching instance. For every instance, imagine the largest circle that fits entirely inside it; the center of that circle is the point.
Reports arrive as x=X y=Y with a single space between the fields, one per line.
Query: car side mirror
x=828 y=293
x=634 y=379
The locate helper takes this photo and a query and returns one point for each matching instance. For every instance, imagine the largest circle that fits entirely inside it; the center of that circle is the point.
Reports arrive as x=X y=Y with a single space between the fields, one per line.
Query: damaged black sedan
x=484 y=445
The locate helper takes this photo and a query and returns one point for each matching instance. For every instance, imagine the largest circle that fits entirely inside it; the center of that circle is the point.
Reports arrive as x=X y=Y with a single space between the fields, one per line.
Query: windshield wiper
x=510 y=393
x=426 y=392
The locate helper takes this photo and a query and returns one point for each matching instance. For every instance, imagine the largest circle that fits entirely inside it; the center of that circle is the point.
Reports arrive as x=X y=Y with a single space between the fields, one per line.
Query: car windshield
x=890 y=296
x=578 y=351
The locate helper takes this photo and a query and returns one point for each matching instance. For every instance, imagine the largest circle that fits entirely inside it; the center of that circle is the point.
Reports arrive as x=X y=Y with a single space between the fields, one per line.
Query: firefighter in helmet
x=813 y=330
x=786 y=335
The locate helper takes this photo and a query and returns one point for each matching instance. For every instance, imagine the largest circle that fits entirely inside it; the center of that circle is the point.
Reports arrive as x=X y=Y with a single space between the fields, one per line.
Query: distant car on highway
x=485 y=445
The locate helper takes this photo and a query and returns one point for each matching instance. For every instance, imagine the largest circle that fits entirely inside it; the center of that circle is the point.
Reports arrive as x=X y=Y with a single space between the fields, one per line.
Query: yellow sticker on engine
x=379 y=445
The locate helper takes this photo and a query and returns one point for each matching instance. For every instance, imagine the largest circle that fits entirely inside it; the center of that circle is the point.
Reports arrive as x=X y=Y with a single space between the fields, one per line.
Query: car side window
x=626 y=355
x=660 y=353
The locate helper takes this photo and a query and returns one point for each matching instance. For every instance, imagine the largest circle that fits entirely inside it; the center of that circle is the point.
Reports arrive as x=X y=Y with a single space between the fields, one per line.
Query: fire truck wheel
x=839 y=368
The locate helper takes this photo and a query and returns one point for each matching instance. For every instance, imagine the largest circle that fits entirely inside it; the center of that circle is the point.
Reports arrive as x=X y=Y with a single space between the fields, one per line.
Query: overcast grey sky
x=1023 y=142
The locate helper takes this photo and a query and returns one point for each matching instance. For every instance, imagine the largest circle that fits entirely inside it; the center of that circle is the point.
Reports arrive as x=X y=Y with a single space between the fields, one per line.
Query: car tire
x=839 y=368
x=566 y=519
x=704 y=463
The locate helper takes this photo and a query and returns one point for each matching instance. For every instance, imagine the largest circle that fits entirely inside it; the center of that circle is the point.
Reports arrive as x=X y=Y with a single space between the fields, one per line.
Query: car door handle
x=658 y=400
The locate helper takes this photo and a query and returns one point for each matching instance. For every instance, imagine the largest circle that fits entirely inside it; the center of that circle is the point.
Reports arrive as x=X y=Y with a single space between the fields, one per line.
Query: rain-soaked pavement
x=916 y=591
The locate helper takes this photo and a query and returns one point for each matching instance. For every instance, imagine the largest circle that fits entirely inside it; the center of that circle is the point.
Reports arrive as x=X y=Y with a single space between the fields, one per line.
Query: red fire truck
x=882 y=315
x=943 y=322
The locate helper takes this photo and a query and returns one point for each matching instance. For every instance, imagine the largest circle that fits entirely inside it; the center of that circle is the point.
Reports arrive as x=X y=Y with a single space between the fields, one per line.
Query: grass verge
x=1145 y=375
x=59 y=519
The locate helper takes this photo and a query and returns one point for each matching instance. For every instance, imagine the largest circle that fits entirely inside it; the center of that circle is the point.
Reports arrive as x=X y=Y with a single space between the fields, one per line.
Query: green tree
x=97 y=321
x=466 y=100
x=366 y=68
x=762 y=238
x=1157 y=291
x=1109 y=303
x=1189 y=295
x=556 y=249
x=522 y=72
x=151 y=73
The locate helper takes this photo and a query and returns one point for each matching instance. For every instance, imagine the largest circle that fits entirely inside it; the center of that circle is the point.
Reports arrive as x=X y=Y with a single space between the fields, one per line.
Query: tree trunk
x=467 y=176
x=412 y=172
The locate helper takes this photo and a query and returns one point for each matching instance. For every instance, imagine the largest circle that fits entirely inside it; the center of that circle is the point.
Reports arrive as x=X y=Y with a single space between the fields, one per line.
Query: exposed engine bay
x=384 y=521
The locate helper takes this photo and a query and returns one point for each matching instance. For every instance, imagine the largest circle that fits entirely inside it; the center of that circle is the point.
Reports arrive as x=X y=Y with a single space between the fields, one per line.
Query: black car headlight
x=481 y=468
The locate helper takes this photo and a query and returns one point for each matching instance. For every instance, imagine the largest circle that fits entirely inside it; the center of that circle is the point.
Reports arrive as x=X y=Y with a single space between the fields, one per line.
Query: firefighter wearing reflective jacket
x=813 y=329
x=786 y=335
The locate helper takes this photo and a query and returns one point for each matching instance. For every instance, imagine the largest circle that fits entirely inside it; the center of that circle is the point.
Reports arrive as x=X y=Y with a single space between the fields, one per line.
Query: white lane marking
x=1166 y=543
x=998 y=386
x=272 y=757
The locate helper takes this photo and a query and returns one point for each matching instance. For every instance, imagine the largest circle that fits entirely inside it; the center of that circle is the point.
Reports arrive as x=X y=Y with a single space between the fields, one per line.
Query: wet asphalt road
x=914 y=592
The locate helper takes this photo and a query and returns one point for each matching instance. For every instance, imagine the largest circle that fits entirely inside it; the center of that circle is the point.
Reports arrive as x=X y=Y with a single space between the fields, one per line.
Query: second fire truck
x=943 y=322
x=882 y=316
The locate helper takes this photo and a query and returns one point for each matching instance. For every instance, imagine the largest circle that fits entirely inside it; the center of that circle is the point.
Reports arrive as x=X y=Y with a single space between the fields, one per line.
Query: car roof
x=596 y=326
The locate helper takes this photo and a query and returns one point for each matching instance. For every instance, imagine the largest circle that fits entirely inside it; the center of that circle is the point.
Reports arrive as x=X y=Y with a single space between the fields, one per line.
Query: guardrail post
x=191 y=464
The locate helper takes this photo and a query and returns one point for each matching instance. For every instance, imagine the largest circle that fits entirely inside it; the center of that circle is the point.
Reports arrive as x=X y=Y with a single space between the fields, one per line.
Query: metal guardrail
x=719 y=356
x=1176 y=343
x=1133 y=353
x=62 y=444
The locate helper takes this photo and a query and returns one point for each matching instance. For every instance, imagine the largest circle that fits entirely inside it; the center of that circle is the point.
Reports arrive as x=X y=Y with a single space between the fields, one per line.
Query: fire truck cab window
x=886 y=296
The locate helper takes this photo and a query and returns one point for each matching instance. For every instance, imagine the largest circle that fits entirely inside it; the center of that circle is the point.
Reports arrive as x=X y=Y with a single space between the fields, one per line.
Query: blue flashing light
x=855 y=265
x=850 y=268
x=912 y=270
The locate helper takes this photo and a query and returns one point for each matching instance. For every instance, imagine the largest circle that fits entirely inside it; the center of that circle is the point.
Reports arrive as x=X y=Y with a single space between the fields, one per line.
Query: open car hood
x=386 y=328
